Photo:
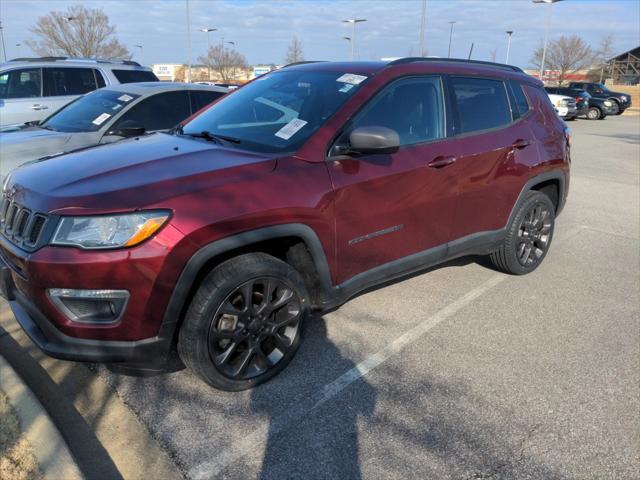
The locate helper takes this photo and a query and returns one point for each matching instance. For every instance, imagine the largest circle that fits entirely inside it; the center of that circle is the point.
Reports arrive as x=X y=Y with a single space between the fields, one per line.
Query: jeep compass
x=289 y=196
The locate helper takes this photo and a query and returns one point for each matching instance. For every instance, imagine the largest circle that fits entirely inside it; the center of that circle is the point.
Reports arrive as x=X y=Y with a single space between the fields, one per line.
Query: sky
x=262 y=29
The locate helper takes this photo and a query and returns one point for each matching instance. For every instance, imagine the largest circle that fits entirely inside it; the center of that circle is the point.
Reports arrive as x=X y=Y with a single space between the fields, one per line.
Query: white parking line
x=249 y=442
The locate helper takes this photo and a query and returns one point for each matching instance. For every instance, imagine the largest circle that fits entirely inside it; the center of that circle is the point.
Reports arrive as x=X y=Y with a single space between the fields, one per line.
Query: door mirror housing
x=128 y=128
x=371 y=140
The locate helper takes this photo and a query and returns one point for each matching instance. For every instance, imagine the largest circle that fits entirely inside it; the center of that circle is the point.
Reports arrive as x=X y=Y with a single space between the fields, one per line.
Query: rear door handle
x=520 y=144
x=441 y=161
x=37 y=106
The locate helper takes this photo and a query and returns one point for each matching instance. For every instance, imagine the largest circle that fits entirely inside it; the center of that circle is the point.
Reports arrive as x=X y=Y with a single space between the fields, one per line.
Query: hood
x=28 y=144
x=135 y=173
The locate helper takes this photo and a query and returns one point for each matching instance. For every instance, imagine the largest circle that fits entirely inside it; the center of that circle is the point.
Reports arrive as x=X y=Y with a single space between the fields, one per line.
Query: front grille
x=19 y=225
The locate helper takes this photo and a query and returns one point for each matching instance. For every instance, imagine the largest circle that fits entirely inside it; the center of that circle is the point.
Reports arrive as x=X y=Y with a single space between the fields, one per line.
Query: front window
x=278 y=112
x=90 y=112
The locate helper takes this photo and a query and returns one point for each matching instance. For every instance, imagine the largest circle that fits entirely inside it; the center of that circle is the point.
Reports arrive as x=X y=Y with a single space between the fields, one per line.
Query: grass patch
x=17 y=461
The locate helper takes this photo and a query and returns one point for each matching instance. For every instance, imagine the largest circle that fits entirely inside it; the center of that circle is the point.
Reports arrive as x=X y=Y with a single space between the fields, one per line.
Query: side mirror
x=374 y=140
x=128 y=128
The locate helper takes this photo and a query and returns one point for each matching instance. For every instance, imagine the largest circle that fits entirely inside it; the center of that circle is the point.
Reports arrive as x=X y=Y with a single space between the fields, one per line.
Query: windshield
x=90 y=112
x=278 y=112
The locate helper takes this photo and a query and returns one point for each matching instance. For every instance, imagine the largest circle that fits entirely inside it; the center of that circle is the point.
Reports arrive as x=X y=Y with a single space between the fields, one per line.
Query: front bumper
x=146 y=354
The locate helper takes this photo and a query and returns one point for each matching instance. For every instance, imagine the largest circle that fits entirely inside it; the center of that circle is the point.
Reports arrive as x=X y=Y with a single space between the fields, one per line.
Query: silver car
x=104 y=116
x=31 y=89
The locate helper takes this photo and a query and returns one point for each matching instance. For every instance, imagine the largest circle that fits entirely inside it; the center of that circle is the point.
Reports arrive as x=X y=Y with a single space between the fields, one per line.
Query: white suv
x=31 y=89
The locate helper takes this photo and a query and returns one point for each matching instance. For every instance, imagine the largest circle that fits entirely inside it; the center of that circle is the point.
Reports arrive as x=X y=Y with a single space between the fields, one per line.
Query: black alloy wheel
x=254 y=327
x=534 y=235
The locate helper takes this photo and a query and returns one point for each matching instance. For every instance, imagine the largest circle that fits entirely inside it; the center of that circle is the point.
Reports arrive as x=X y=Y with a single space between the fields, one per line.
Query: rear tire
x=244 y=324
x=528 y=236
x=594 y=113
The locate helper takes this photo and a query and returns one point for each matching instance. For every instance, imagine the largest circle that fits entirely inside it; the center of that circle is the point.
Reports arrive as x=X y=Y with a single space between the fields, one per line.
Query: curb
x=50 y=449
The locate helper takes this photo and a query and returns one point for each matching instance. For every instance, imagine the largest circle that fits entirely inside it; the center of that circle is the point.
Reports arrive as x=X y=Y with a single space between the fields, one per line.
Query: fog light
x=90 y=306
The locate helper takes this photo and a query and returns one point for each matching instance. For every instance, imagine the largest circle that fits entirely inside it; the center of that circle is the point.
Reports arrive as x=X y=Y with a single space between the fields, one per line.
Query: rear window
x=482 y=103
x=132 y=76
x=520 y=98
x=68 y=81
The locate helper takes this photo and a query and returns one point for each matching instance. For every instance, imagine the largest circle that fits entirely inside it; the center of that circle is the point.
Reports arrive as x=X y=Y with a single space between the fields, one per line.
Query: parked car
x=221 y=238
x=580 y=96
x=104 y=116
x=564 y=105
x=621 y=101
x=31 y=89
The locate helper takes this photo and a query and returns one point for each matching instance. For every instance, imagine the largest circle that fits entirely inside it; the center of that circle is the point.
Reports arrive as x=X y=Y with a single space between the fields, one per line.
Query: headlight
x=607 y=103
x=109 y=231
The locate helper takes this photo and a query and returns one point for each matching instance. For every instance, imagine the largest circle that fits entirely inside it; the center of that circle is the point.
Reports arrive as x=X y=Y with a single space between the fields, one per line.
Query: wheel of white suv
x=528 y=237
x=244 y=324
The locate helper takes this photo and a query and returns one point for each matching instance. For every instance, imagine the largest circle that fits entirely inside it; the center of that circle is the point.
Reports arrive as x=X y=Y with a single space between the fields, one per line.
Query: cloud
x=262 y=29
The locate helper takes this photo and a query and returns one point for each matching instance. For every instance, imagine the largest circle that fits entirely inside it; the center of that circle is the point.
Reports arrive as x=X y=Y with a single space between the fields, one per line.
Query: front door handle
x=37 y=106
x=441 y=161
x=521 y=143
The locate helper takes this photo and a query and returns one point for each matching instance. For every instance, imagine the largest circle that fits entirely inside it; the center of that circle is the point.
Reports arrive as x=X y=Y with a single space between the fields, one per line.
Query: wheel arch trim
x=214 y=249
x=540 y=178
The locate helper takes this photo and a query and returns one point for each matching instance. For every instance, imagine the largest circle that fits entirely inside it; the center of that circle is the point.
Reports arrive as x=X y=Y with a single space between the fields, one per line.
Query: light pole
x=208 y=31
x=348 y=39
x=422 y=22
x=4 y=50
x=508 y=32
x=188 y=41
x=141 y=51
x=18 y=45
x=353 y=22
x=450 y=37
x=546 y=32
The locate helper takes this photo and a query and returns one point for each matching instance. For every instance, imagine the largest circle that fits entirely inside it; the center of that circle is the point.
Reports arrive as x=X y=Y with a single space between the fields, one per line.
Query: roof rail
x=302 y=63
x=402 y=61
x=74 y=59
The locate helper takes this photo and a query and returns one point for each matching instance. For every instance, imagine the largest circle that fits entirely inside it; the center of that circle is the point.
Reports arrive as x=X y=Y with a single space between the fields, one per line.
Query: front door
x=389 y=206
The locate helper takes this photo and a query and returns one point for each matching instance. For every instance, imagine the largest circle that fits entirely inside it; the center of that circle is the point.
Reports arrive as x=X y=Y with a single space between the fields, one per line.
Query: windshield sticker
x=352 y=78
x=346 y=87
x=100 y=120
x=125 y=98
x=290 y=129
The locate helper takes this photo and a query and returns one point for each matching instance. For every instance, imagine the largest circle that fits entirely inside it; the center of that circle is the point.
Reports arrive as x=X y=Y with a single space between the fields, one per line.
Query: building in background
x=624 y=69
x=177 y=72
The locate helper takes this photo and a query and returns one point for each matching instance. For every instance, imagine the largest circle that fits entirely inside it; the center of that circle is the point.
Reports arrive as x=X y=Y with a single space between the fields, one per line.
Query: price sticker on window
x=290 y=129
x=352 y=78
x=125 y=98
x=101 y=119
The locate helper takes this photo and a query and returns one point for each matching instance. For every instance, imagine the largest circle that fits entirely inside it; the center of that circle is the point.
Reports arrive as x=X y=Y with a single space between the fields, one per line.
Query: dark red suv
x=289 y=196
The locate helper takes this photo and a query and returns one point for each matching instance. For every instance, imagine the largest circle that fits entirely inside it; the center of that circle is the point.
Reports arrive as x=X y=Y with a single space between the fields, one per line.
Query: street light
x=450 y=36
x=353 y=22
x=546 y=32
x=4 y=50
x=208 y=31
x=141 y=51
x=348 y=39
x=18 y=45
x=508 y=32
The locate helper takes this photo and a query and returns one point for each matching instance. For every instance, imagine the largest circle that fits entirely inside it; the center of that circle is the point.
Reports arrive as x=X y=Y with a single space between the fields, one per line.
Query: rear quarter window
x=520 y=98
x=482 y=103
x=132 y=76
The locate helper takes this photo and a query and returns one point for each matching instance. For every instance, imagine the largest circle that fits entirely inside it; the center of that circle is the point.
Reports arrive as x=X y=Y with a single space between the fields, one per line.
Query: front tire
x=244 y=324
x=528 y=237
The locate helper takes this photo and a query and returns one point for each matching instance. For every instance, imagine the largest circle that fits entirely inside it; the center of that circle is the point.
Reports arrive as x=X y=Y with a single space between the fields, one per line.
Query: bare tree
x=294 y=51
x=77 y=32
x=601 y=56
x=566 y=55
x=225 y=62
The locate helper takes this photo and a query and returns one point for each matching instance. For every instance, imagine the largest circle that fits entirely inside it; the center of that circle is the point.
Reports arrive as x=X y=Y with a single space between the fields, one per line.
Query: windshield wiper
x=212 y=137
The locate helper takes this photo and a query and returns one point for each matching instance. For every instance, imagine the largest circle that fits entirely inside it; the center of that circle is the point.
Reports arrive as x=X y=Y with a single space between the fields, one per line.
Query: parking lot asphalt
x=461 y=372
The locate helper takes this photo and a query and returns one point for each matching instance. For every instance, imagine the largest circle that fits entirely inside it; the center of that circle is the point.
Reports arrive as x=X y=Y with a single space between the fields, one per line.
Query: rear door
x=389 y=206
x=21 y=96
x=63 y=84
x=495 y=148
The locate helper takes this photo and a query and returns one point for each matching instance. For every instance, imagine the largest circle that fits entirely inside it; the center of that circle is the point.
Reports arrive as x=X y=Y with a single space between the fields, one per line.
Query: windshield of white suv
x=278 y=112
x=90 y=112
